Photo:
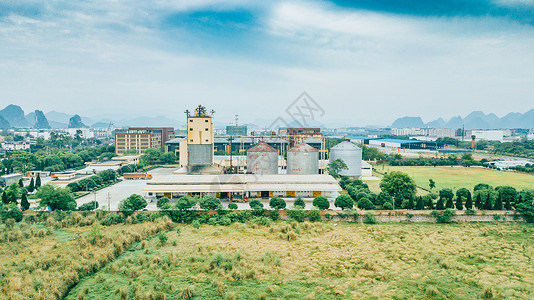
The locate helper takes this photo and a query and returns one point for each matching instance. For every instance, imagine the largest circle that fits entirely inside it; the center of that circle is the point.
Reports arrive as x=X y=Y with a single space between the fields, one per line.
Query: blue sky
x=365 y=62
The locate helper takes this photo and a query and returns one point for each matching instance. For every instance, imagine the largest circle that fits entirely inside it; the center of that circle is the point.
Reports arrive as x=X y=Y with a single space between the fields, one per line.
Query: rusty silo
x=262 y=159
x=302 y=159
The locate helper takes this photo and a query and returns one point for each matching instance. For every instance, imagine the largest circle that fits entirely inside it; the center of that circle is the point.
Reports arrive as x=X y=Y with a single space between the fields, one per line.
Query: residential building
x=142 y=138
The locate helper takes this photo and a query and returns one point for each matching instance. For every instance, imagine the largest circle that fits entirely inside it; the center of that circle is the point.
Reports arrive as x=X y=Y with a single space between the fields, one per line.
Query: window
x=206 y=120
x=207 y=140
x=191 y=120
x=191 y=140
x=190 y=129
x=206 y=129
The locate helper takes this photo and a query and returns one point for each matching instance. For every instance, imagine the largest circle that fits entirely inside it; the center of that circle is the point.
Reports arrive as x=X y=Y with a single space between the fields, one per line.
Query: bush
x=195 y=224
x=299 y=202
x=162 y=237
x=321 y=203
x=277 y=203
x=344 y=201
x=470 y=212
x=365 y=204
x=315 y=215
x=132 y=203
x=387 y=206
x=163 y=203
x=185 y=203
x=210 y=203
x=256 y=204
x=370 y=218
x=297 y=213
x=232 y=206
x=527 y=210
x=444 y=217
x=88 y=206
x=10 y=211
x=275 y=215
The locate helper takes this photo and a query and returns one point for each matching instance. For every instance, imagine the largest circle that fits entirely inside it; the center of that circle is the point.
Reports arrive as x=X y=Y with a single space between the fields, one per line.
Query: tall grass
x=462 y=261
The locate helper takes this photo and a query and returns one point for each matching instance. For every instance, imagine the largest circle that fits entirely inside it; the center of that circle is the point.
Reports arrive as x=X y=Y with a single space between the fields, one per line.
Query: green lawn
x=458 y=177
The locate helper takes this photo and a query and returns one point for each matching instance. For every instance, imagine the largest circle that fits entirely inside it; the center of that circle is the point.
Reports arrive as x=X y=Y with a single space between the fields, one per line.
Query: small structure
x=9 y=179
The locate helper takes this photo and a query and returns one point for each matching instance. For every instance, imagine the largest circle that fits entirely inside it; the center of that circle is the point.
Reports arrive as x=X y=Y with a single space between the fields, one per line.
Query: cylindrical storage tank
x=200 y=155
x=302 y=159
x=351 y=155
x=262 y=159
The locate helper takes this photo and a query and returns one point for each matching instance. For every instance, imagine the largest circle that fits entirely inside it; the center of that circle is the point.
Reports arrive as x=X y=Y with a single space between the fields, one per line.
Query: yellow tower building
x=199 y=138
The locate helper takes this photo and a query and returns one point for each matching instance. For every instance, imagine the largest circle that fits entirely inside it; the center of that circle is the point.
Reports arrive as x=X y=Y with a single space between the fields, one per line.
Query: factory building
x=262 y=159
x=238 y=186
x=142 y=138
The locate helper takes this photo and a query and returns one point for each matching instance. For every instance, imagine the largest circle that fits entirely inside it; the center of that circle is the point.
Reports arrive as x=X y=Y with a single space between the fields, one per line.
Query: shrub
x=88 y=206
x=210 y=203
x=162 y=237
x=315 y=215
x=321 y=203
x=185 y=203
x=195 y=224
x=163 y=203
x=344 y=201
x=299 y=202
x=387 y=206
x=297 y=213
x=275 y=215
x=365 y=204
x=277 y=203
x=470 y=212
x=10 y=211
x=132 y=203
x=256 y=204
x=445 y=216
x=232 y=206
x=527 y=210
x=370 y=218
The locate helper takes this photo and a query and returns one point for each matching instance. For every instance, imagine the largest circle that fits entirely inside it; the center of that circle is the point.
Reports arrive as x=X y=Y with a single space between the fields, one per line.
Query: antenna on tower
x=236 y=119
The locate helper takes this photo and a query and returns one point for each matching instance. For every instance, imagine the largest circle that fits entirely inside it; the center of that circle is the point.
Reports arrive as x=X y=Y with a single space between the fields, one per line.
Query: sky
x=362 y=62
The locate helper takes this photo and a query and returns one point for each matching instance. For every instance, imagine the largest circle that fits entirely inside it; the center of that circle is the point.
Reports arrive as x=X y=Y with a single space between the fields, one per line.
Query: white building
x=488 y=135
x=85 y=132
x=15 y=146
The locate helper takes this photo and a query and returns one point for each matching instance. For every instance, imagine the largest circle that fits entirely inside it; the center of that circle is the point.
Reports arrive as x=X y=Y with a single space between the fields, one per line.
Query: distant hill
x=76 y=122
x=474 y=120
x=15 y=116
x=4 y=124
x=40 y=120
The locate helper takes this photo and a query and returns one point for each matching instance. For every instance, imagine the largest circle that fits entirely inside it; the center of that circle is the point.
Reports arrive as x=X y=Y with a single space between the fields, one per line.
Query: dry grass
x=320 y=260
x=46 y=264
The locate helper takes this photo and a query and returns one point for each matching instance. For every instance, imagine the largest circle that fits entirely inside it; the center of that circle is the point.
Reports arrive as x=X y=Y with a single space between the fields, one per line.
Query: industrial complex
x=289 y=165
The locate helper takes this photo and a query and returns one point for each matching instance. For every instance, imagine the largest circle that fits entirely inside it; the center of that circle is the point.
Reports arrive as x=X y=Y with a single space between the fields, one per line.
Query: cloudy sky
x=364 y=62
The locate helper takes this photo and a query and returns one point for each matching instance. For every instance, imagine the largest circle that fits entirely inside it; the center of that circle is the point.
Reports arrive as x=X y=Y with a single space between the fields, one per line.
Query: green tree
x=10 y=211
x=398 y=183
x=336 y=166
x=508 y=194
x=429 y=200
x=478 y=202
x=344 y=201
x=56 y=198
x=256 y=204
x=133 y=203
x=168 y=158
x=163 y=203
x=108 y=175
x=440 y=205
x=210 y=203
x=420 y=205
x=431 y=184
x=24 y=204
x=31 y=186
x=365 y=204
x=498 y=203
x=459 y=203
x=300 y=202
x=185 y=203
x=488 y=205
x=21 y=183
x=92 y=205
x=449 y=204
x=277 y=203
x=469 y=202
x=38 y=181
x=232 y=206
x=463 y=192
x=4 y=198
x=507 y=204
x=321 y=203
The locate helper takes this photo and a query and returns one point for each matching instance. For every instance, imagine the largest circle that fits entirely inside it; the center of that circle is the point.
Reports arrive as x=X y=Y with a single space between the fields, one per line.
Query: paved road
x=122 y=190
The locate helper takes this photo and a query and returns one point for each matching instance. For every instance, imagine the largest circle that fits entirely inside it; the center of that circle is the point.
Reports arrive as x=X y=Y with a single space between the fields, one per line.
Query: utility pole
x=230 y=139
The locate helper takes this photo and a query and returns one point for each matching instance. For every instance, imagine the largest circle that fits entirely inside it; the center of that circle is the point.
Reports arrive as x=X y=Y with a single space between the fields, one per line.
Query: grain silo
x=262 y=159
x=351 y=155
x=302 y=159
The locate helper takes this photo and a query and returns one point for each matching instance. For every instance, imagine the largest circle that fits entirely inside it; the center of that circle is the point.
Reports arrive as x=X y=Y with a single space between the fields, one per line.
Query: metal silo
x=302 y=159
x=351 y=155
x=262 y=159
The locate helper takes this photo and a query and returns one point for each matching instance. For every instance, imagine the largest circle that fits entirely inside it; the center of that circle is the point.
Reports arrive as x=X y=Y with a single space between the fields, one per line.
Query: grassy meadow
x=284 y=260
x=459 y=177
x=43 y=260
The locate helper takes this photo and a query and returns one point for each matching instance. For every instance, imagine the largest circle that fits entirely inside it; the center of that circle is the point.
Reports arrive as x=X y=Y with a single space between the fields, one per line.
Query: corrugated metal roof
x=262 y=147
x=302 y=147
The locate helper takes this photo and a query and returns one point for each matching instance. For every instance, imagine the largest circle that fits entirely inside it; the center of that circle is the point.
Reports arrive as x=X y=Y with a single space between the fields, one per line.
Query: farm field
x=282 y=260
x=458 y=177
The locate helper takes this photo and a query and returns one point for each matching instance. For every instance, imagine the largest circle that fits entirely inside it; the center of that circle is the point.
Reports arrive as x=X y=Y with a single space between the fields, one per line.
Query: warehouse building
x=239 y=186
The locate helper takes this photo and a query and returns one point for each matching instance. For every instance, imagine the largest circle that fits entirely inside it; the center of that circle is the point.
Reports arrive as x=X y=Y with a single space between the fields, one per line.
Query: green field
x=459 y=177
x=323 y=261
